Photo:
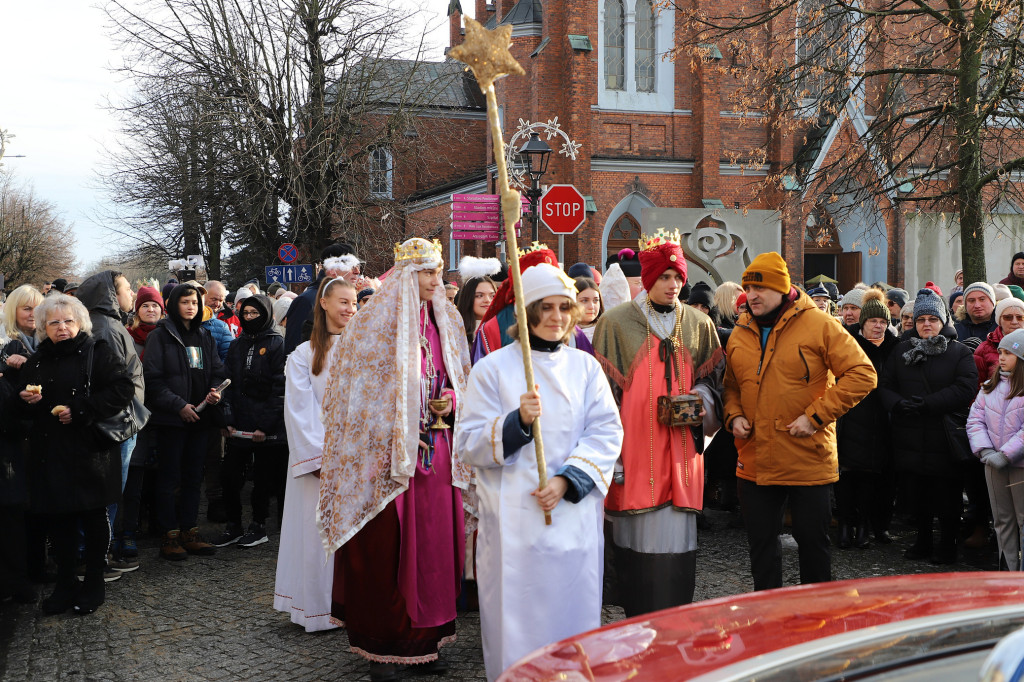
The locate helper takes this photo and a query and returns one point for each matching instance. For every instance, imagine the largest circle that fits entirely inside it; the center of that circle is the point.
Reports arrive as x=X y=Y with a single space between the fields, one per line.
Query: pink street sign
x=478 y=216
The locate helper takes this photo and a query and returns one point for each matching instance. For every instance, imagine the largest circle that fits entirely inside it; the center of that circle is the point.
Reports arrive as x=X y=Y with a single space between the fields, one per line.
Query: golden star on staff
x=486 y=53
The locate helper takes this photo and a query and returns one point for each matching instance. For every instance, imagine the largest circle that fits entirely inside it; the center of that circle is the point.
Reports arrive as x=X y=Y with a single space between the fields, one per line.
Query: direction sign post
x=563 y=209
x=289 y=274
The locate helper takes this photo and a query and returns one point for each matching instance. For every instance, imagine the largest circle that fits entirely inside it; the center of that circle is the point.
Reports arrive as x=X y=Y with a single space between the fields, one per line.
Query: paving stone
x=211 y=618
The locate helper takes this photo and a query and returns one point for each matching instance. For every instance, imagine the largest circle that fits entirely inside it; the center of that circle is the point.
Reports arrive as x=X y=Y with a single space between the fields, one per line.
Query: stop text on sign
x=563 y=209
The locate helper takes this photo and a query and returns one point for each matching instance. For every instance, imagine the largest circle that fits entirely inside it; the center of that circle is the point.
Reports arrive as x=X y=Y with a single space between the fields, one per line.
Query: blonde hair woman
x=20 y=323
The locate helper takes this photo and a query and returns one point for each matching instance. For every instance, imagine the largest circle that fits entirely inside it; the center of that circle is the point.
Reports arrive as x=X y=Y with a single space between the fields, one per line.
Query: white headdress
x=614 y=287
x=471 y=267
x=346 y=263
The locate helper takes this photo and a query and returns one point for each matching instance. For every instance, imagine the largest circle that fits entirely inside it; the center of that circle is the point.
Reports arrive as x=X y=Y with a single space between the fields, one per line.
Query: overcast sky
x=54 y=83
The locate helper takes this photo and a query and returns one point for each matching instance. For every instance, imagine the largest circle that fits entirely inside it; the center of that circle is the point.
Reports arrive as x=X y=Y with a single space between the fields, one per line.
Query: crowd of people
x=392 y=421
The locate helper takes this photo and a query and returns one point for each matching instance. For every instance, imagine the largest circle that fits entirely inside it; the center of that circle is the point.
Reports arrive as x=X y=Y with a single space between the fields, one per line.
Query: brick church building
x=660 y=146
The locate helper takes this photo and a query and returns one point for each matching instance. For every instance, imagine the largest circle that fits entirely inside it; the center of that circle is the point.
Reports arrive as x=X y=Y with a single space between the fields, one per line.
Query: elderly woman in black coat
x=864 y=492
x=65 y=387
x=930 y=376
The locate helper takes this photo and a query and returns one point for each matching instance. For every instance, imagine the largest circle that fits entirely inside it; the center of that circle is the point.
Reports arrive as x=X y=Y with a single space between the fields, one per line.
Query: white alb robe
x=304 y=576
x=538 y=584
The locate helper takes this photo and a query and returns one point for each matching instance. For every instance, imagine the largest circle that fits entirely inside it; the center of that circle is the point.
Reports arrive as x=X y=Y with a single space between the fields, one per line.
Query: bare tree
x=932 y=92
x=35 y=244
x=279 y=106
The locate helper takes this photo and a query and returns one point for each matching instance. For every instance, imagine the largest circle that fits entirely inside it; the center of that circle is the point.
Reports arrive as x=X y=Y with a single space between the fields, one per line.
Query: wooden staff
x=486 y=53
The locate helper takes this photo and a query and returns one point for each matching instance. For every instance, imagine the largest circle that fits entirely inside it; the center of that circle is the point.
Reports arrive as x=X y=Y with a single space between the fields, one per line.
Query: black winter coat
x=99 y=296
x=72 y=467
x=169 y=380
x=863 y=435
x=948 y=383
x=13 y=479
x=255 y=365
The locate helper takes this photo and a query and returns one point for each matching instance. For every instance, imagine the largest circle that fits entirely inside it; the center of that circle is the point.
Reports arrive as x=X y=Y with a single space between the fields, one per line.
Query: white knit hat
x=543 y=280
x=853 y=297
x=1007 y=303
x=983 y=287
x=1000 y=291
x=242 y=293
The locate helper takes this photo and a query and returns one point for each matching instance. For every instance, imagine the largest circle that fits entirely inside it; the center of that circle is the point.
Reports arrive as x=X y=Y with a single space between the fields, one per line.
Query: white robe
x=538 y=584
x=304 y=577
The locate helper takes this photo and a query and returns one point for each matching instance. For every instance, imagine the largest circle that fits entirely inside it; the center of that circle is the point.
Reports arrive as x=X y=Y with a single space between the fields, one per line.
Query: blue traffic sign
x=287 y=253
x=289 y=274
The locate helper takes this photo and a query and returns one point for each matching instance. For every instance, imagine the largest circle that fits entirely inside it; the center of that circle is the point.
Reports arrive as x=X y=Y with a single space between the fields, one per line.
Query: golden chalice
x=439 y=404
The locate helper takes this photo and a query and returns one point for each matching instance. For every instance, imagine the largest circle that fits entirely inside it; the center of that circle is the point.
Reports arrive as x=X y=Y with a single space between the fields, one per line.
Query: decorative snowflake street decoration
x=516 y=172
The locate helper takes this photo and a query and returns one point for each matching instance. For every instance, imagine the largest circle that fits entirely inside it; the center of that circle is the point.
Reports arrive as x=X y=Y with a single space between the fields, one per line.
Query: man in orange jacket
x=791 y=372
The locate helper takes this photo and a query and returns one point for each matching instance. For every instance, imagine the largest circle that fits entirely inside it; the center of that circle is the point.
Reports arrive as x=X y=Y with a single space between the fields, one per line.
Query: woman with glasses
x=71 y=382
x=1009 y=316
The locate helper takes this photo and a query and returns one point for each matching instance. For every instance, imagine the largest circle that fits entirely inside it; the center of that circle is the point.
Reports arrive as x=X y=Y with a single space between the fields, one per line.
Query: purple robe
x=401 y=574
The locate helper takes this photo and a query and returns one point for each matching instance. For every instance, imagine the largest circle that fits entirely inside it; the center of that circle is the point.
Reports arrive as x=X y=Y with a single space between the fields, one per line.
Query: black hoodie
x=181 y=365
x=255 y=365
x=99 y=295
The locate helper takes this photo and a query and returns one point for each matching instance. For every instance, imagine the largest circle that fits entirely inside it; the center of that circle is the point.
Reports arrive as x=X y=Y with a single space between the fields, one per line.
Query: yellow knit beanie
x=768 y=270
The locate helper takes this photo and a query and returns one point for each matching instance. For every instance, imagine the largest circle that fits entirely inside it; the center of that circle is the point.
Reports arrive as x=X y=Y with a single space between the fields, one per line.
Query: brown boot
x=978 y=539
x=171 y=548
x=194 y=543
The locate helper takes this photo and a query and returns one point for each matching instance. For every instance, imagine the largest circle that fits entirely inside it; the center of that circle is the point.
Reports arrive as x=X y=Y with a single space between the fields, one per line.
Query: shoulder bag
x=126 y=423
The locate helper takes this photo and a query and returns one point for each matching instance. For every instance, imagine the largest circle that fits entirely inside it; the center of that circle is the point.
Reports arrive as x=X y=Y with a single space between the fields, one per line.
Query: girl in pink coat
x=995 y=428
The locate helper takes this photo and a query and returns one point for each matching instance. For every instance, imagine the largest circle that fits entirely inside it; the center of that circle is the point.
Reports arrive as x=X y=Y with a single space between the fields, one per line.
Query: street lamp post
x=535 y=154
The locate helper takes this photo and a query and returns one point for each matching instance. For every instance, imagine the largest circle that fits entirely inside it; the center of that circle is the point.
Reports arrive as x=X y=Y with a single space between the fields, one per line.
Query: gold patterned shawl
x=371 y=407
x=622 y=331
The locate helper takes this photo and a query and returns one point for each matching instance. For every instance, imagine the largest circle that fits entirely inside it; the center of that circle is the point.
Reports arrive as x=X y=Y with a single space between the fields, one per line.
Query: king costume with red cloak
x=500 y=315
x=659 y=487
x=392 y=509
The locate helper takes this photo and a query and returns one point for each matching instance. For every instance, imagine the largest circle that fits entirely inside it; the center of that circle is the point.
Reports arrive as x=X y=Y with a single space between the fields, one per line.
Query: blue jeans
x=127 y=448
x=180 y=451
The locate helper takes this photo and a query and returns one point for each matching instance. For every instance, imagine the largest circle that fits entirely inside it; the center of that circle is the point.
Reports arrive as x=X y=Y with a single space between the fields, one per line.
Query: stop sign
x=562 y=209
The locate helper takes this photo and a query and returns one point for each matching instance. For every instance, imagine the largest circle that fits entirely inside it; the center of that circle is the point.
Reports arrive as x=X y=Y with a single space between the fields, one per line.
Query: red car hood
x=690 y=641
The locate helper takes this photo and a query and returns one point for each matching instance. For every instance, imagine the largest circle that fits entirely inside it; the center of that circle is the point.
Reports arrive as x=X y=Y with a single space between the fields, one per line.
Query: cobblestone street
x=212 y=618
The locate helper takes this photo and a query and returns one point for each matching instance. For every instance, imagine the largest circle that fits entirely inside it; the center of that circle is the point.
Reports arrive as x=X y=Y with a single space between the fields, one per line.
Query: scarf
x=28 y=341
x=920 y=349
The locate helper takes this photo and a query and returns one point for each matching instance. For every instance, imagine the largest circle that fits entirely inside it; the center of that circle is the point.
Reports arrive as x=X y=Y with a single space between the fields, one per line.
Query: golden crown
x=418 y=248
x=535 y=246
x=662 y=236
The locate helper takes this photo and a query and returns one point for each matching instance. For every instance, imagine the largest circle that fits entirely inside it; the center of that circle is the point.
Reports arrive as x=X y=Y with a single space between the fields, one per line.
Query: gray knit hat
x=984 y=288
x=853 y=297
x=929 y=303
x=1014 y=343
x=900 y=296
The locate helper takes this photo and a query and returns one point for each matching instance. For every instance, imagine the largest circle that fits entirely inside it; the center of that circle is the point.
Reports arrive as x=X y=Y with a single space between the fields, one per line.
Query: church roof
x=523 y=12
x=446 y=85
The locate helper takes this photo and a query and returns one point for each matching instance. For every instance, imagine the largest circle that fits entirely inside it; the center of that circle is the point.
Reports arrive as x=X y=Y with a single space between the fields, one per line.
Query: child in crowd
x=254 y=415
x=995 y=428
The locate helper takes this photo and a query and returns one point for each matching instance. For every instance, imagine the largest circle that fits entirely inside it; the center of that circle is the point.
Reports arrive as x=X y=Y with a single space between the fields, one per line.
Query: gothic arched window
x=625 y=234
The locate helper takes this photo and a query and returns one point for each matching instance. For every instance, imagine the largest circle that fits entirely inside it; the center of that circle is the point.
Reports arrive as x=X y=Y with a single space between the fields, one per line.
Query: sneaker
x=124 y=564
x=129 y=550
x=109 y=574
x=256 y=535
x=171 y=548
x=194 y=543
x=230 y=536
